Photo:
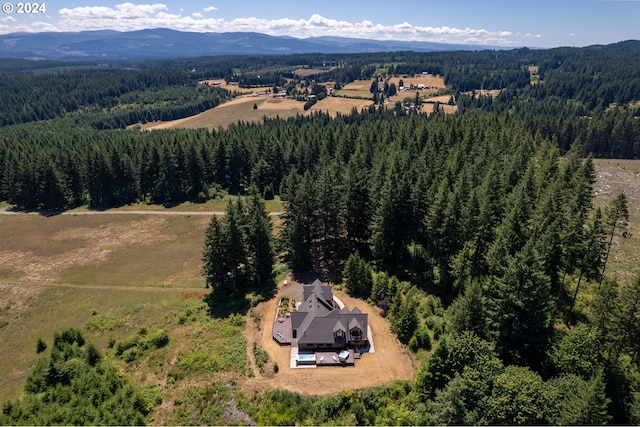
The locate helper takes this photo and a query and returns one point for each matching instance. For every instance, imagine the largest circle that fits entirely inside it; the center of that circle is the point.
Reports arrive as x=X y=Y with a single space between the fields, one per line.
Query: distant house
x=319 y=324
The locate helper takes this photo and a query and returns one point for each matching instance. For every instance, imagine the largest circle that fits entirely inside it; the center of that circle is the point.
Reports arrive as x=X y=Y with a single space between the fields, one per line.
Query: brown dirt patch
x=390 y=362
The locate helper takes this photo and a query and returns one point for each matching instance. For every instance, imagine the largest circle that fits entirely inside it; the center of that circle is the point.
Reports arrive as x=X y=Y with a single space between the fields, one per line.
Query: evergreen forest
x=473 y=233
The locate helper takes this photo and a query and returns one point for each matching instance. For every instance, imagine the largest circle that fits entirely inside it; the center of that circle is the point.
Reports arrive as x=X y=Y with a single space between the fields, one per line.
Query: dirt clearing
x=389 y=363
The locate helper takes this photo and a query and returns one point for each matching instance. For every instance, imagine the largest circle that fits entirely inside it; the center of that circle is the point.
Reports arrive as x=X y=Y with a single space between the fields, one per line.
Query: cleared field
x=356 y=89
x=613 y=178
x=59 y=271
x=241 y=109
x=231 y=88
x=304 y=72
x=484 y=92
x=234 y=111
x=429 y=80
x=354 y=93
x=333 y=105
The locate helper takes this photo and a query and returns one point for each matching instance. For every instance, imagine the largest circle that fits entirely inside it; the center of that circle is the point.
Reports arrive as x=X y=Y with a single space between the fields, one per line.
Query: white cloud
x=129 y=16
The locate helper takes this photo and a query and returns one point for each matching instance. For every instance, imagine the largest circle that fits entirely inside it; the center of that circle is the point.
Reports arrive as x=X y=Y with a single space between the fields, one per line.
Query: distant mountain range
x=165 y=43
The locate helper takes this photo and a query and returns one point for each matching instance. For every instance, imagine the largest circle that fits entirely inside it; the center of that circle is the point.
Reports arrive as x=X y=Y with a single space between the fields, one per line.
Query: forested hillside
x=474 y=233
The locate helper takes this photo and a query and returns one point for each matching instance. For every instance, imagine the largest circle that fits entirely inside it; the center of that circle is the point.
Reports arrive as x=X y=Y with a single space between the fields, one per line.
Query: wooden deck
x=281 y=331
x=330 y=358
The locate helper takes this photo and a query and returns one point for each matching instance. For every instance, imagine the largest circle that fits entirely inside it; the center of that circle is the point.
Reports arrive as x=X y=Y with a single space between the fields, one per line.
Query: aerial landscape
x=234 y=213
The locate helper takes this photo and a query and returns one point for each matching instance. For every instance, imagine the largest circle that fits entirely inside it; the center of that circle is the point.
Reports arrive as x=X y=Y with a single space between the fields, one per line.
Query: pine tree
x=214 y=254
x=523 y=309
x=259 y=246
x=617 y=216
x=233 y=232
x=469 y=312
x=389 y=235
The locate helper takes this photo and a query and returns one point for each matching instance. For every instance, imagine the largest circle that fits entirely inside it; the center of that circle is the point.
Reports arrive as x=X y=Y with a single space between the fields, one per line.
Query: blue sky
x=495 y=22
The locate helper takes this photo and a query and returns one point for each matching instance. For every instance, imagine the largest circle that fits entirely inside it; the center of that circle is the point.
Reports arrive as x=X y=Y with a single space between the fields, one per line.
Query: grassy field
x=217 y=205
x=304 y=72
x=615 y=177
x=110 y=276
x=232 y=112
x=436 y=82
x=267 y=106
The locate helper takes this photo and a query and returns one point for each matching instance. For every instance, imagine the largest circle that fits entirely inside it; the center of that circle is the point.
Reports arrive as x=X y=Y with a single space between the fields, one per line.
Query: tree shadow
x=222 y=303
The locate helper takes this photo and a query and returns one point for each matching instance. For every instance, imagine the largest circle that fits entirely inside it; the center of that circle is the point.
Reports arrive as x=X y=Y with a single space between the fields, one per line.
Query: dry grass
x=333 y=105
x=231 y=88
x=239 y=109
x=485 y=92
x=304 y=72
x=615 y=177
x=98 y=249
x=429 y=80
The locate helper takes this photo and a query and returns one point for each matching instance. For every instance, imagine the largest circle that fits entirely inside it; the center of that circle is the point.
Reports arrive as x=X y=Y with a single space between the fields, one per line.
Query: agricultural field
x=304 y=72
x=357 y=89
x=233 y=111
x=433 y=82
x=230 y=87
x=334 y=105
x=267 y=106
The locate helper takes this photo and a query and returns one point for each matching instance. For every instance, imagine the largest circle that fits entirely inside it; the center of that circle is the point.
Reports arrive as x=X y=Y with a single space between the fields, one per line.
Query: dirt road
x=7 y=211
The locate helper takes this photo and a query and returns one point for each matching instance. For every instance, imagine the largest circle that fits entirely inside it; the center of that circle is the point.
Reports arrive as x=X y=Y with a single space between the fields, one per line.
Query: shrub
x=236 y=319
x=262 y=357
x=40 y=346
x=102 y=322
x=135 y=346
x=420 y=340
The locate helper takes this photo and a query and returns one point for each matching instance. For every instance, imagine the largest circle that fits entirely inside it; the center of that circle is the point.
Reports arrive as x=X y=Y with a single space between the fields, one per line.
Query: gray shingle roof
x=316 y=320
